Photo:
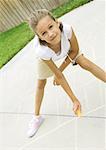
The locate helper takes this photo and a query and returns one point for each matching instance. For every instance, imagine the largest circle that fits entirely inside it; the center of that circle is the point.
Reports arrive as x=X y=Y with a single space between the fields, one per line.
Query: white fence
x=13 y=12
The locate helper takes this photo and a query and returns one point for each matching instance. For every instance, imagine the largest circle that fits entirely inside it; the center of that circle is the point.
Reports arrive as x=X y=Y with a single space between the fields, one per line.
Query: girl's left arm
x=74 y=51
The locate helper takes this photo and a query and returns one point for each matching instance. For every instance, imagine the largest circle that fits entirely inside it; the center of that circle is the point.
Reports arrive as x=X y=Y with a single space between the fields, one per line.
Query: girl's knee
x=85 y=63
x=41 y=83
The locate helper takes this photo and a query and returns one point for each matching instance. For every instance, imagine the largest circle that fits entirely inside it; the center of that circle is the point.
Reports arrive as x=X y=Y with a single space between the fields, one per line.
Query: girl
x=54 y=41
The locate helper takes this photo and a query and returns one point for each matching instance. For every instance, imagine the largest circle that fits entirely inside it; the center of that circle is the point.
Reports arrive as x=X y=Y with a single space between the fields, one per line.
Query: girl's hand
x=77 y=108
x=55 y=81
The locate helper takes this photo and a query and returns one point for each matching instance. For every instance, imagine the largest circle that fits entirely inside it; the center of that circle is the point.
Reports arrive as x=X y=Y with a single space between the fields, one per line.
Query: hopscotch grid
x=53 y=130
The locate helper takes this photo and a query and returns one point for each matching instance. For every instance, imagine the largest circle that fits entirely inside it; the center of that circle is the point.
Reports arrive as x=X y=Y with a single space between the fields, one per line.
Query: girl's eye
x=43 y=33
x=50 y=26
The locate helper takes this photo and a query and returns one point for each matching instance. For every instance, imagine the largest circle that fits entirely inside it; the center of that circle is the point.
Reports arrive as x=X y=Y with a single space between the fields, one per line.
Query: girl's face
x=48 y=30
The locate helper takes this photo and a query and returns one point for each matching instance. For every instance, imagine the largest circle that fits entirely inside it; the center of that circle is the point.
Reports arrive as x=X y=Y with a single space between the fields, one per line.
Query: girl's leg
x=91 y=67
x=39 y=95
x=37 y=120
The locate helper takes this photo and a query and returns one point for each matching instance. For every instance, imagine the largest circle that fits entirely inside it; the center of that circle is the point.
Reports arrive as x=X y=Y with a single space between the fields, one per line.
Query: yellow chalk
x=78 y=113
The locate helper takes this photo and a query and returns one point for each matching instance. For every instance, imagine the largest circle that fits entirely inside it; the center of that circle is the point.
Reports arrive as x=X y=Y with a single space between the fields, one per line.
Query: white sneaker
x=34 y=125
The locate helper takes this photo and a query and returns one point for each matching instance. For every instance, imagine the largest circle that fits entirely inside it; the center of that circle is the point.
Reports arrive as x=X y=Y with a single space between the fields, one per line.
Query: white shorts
x=44 y=72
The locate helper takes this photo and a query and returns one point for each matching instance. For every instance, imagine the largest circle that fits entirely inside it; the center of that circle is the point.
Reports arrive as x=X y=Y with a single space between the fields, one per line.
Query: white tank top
x=46 y=53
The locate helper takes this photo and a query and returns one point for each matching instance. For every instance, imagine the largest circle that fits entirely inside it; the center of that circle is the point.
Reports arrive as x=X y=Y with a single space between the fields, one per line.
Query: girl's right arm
x=64 y=84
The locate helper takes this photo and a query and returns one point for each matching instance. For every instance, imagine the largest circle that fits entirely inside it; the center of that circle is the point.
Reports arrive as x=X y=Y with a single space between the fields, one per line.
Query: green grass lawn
x=13 y=40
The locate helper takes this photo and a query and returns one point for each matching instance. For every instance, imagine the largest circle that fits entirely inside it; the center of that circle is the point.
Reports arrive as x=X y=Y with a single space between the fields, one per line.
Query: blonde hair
x=35 y=17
